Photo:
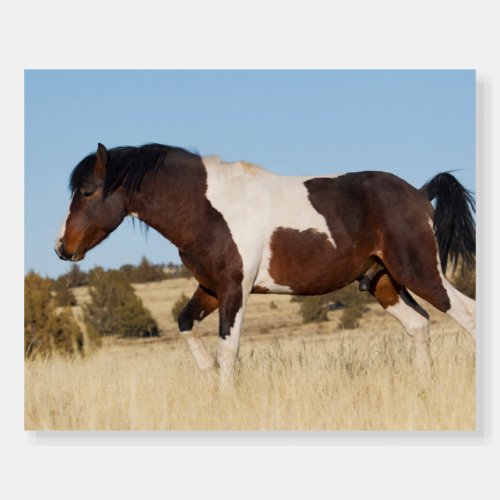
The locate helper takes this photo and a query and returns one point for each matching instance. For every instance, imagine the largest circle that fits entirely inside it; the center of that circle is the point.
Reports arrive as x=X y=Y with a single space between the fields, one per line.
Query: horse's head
x=93 y=213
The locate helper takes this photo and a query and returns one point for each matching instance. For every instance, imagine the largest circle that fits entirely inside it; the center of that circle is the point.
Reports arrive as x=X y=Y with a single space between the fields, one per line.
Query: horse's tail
x=454 y=223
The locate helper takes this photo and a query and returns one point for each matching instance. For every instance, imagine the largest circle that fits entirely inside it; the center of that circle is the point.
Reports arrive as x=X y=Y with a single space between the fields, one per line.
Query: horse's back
x=354 y=202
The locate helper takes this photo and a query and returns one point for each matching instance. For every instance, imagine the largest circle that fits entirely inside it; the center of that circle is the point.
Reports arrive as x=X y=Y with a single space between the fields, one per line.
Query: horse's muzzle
x=63 y=255
x=60 y=255
x=59 y=249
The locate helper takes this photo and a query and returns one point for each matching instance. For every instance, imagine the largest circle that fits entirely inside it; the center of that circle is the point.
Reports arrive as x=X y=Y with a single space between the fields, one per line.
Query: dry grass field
x=292 y=376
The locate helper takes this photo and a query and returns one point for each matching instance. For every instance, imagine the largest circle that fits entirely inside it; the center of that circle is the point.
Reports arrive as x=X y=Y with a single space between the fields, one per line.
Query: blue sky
x=411 y=123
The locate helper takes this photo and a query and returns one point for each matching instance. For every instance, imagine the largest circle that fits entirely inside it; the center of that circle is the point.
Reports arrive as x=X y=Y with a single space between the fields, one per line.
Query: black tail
x=454 y=223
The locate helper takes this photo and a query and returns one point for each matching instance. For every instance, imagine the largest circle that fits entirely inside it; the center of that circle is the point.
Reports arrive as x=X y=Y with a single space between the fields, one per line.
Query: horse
x=241 y=229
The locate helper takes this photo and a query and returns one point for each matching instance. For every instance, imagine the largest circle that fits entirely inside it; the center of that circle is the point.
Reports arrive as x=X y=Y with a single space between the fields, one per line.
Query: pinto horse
x=241 y=229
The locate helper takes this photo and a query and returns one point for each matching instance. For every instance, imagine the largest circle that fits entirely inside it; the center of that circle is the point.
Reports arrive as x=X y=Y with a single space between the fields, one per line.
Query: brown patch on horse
x=417 y=268
x=260 y=289
x=389 y=293
x=384 y=215
x=307 y=262
x=199 y=307
x=385 y=289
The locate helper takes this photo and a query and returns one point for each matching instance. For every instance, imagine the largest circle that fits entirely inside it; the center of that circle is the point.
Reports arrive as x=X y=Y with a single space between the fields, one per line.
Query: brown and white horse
x=241 y=229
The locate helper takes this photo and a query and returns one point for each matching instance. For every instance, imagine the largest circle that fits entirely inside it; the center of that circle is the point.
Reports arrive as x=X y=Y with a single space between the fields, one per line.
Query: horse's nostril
x=59 y=249
x=60 y=254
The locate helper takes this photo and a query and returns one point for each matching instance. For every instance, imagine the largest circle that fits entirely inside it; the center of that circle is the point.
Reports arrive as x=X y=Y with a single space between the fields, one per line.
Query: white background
x=257 y=34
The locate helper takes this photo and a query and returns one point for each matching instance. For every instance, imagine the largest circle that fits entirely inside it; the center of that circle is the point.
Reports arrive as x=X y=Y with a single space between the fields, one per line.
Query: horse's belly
x=305 y=262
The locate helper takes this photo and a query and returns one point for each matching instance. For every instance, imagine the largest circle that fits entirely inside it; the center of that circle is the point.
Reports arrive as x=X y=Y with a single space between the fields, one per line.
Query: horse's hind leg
x=419 y=270
x=198 y=308
x=396 y=300
x=462 y=308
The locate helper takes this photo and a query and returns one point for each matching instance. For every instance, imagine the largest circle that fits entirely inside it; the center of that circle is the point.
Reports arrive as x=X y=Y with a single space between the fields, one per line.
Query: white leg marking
x=417 y=326
x=227 y=352
x=200 y=354
x=462 y=308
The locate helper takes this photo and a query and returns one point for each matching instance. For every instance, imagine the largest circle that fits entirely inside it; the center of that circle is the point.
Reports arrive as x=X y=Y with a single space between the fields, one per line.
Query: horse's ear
x=102 y=160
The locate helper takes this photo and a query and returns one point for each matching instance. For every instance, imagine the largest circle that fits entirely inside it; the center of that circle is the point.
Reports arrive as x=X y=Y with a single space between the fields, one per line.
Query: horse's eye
x=88 y=193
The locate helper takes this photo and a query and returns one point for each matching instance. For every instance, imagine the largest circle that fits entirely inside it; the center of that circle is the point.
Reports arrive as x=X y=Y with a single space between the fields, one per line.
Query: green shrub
x=76 y=277
x=350 y=316
x=145 y=272
x=354 y=303
x=63 y=295
x=313 y=309
x=115 y=309
x=177 y=271
x=45 y=330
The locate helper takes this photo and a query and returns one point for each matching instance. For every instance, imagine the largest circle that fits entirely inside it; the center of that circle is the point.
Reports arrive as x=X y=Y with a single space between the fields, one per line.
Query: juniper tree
x=315 y=308
x=354 y=303
x=115 y=309
x=145 y=272
x=64 y=296
x=46 y=330
x=37 y=310
x=76 y=277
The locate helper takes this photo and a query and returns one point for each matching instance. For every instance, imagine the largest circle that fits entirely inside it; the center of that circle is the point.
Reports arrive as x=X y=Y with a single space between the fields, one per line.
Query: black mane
x=128 y=165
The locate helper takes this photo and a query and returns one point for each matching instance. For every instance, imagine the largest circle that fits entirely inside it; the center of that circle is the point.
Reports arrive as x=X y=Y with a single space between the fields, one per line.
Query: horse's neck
x=172 y=205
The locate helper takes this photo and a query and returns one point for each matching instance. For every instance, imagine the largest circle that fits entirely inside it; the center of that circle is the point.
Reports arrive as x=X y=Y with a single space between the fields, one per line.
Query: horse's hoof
x=364 y=284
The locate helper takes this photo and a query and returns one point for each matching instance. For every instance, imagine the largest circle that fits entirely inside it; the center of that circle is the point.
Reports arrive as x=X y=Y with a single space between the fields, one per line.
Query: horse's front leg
x=232 y=304
x=198 y=308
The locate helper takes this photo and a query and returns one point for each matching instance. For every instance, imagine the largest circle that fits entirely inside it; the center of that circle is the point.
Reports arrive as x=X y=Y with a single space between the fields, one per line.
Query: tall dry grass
x=350 y=381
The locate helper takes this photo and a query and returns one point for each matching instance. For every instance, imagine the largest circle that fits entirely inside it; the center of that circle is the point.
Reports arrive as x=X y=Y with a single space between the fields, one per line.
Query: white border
x=381 y=34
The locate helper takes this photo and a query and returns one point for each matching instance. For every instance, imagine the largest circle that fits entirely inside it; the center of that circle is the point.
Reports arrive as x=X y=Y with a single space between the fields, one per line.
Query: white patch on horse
x=411 y=319
x=254 y=203
x=62 y=229
x=198 y=350
x=227 y=350
x=238 y=196
x=134 y=214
